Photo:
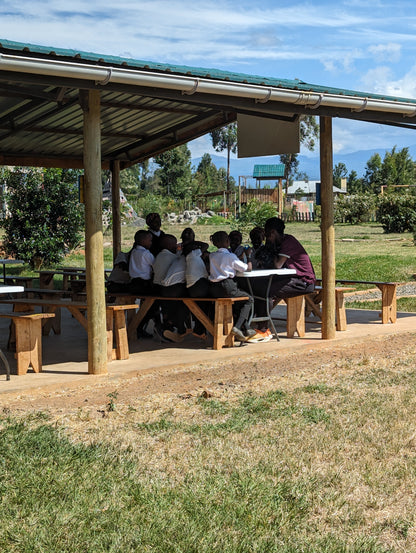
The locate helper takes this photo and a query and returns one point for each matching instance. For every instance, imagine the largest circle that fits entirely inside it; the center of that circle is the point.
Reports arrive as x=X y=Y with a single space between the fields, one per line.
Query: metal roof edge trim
x=258 y=91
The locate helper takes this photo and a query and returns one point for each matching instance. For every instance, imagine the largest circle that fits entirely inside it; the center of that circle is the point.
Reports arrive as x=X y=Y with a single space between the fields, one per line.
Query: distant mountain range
x=355 y=161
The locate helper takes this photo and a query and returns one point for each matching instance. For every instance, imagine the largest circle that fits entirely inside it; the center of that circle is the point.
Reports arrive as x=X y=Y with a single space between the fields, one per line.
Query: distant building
x=306 y=190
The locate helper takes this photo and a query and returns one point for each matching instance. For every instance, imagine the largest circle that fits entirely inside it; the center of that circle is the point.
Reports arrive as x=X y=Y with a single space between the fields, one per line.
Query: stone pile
x=189 y=216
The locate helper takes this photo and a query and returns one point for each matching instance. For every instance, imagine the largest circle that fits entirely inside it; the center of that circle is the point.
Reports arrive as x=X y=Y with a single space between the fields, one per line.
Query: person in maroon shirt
x=288 y=253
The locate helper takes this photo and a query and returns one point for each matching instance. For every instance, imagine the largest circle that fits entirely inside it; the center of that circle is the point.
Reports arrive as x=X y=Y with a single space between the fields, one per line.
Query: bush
x=255 y=214
x=152 y=203
x=44 y=217
x=354 y=209
x=396 y=211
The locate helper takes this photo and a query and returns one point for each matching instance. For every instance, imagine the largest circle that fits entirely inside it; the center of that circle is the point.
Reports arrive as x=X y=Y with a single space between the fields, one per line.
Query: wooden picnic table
x=69 y=275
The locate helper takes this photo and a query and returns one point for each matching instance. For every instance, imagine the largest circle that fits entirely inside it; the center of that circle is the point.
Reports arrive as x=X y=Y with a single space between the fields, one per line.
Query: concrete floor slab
x=65 y=356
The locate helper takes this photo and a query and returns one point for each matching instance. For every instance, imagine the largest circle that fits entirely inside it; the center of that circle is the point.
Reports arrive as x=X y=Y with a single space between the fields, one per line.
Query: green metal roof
x=103 y=59
x=269 y=171
x=147 y=108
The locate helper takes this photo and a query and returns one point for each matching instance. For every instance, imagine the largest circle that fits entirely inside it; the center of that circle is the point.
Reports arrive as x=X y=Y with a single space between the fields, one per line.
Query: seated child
x=119 y=278
x=223 y=267
x=169 y=277
x=197 y=283
x=236 y=239
x=154 y=222
x=141 y=262
x=257 y=238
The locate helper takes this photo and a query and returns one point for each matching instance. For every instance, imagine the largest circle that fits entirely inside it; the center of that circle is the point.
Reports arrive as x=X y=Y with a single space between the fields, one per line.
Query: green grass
x=328 y=466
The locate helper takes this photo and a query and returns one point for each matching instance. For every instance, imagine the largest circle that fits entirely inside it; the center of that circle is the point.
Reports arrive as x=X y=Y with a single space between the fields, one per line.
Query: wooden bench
x=20 y=280
x=314 y=300
x=220 y=328
x=115 y=320
x=299 y=307
x=388 y=297
x=27 y=336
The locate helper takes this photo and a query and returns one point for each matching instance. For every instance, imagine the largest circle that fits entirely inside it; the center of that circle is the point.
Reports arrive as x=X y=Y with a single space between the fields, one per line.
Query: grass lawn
x=319 y=460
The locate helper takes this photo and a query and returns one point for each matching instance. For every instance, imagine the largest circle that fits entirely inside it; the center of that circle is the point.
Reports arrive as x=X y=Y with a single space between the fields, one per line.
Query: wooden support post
x=115 y=197
x=94 y=253
x=327 y=230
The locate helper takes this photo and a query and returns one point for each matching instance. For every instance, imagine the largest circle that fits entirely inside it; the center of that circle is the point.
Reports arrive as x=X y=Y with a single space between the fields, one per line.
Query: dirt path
x=254 y=373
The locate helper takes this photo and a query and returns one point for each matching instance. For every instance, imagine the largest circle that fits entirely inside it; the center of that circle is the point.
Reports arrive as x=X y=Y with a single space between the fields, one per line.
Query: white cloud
x=386 y=52
x=181 y=31
x=352 y=136
x=381 y=81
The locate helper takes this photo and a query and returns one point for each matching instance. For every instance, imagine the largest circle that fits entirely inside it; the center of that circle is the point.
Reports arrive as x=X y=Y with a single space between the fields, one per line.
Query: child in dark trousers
x=223 y=267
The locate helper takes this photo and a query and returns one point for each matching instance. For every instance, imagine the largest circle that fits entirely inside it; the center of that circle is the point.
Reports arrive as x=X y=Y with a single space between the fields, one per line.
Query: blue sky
x=351 y=44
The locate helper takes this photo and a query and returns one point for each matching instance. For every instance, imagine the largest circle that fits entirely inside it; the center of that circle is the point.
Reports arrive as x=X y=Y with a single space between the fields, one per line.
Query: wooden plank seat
x=115 y=320
x=313 y=305
x=388 y=297
x=220 y=328
x=27 y=338
x=19 y=280
x=299 y=307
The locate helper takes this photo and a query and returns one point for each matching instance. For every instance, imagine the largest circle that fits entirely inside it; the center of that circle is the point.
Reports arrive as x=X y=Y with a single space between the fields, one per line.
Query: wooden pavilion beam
x=94 y=252
x=327 y=230
x=116 y=210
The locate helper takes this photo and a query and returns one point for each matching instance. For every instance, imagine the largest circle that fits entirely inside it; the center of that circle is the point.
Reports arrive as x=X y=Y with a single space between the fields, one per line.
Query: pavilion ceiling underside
x=41 y=119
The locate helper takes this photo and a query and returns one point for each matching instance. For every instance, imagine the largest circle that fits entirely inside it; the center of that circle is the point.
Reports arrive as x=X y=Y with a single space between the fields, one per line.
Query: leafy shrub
x=44 y=217
x=151 y=203
x=396 y=211
x=256 y=213
x=354 y=209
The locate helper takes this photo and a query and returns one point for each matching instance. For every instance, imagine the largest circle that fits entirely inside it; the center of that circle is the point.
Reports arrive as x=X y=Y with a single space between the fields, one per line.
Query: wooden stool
x=28 y=329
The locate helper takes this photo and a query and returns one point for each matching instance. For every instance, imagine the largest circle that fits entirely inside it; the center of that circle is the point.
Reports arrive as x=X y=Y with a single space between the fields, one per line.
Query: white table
x=269 y=274
x=8 y=290
x=5 y=262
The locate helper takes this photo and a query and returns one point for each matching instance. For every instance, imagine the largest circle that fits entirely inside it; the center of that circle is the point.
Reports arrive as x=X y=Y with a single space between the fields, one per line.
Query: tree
x=372 y=176
x=340 y=172
x=207 y=175
x=291 y=163
x=225 y=139
x=354 y=184
x=397 y=168
x=44 y=218
x=309 y=131
x=175 y=172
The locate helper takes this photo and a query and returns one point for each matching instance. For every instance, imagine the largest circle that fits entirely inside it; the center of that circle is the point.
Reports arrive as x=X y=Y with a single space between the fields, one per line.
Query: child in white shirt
x=223 y=267
x=140 y=264
x=169 y=281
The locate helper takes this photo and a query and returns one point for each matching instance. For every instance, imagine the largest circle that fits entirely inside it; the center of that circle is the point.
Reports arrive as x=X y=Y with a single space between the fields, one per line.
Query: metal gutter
x=191 y=85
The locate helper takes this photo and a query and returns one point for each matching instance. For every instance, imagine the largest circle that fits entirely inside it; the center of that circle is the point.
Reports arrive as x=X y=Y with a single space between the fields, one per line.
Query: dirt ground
x=256 y=373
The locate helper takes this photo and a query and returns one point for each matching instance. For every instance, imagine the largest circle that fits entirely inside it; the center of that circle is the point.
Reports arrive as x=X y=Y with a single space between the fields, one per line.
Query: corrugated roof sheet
x=103 y=59
x=269 y=171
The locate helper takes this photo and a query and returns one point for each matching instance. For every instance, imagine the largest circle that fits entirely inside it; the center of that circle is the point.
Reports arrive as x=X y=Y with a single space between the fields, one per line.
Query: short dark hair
x=150 y=217
x=219 y=237
x=167 y=241
x=257 y=231
x=274 y=223
x=141 y=235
